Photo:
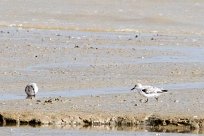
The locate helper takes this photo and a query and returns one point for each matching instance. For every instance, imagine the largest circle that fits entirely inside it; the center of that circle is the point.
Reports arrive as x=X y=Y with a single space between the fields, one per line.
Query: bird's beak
x=133 y=88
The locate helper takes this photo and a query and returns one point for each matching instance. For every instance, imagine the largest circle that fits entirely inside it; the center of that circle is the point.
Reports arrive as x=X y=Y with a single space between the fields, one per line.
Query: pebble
x=48 y=101
x=76 y=46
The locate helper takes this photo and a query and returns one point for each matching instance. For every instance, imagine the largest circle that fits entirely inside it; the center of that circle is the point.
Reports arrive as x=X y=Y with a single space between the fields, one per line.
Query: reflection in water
x=30 y=97
x=99 y=91
x=102 y=128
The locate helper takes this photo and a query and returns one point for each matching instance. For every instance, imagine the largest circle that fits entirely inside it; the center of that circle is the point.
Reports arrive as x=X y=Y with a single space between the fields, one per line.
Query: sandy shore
x=175 y=112
x=103 y=50
x=65 y=60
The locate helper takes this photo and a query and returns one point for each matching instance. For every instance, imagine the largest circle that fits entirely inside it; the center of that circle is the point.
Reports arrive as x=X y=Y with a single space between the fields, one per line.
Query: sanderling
x=31 y=89
x=148 y=91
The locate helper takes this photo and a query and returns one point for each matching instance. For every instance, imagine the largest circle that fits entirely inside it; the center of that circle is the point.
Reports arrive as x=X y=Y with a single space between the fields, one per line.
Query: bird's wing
x=152 y=89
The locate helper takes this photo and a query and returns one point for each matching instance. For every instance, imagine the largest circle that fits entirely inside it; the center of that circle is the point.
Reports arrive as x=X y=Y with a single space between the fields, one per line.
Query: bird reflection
x=30 y=97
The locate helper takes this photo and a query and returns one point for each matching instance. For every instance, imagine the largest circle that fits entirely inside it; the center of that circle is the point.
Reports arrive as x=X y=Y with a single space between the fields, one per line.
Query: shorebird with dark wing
x=149 y=91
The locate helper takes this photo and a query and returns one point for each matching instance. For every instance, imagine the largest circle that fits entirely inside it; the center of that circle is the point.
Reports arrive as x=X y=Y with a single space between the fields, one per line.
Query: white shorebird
x=31 y=89
x=148 y=91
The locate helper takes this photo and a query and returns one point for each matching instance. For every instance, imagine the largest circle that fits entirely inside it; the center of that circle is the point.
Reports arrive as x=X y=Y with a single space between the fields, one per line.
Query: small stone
x=177 y=101
x=135 y=105
x=56 y=99
x=76 y=46
x=48 y=101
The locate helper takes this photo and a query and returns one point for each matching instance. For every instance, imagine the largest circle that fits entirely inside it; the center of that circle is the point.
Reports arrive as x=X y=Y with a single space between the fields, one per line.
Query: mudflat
x=67 y=61
x=85 y=69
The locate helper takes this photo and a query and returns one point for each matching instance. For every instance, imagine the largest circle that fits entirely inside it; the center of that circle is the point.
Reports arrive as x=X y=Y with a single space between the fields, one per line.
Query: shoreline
x=86 y=55
x=126 y=111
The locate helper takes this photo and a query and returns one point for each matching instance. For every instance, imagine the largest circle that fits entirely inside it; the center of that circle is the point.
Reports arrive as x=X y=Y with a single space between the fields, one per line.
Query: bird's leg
x=146 y=100
x=28 y=97
x=157 y=99
x=33 y=97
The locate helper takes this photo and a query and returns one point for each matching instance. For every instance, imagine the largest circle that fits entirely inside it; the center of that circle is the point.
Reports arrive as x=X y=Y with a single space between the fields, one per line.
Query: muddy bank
x=176 y=110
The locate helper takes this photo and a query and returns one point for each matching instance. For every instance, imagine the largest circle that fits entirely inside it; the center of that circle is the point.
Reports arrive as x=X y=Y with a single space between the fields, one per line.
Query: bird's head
x=138 y=85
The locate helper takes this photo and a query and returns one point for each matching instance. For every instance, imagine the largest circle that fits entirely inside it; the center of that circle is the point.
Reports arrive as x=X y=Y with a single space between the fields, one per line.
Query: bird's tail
x=164 y=91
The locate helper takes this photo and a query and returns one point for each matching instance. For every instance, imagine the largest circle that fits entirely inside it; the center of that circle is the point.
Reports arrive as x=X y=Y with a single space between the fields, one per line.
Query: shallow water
x=75 y=131
x=186 y=55
x=99 y=91
x=103 y=16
